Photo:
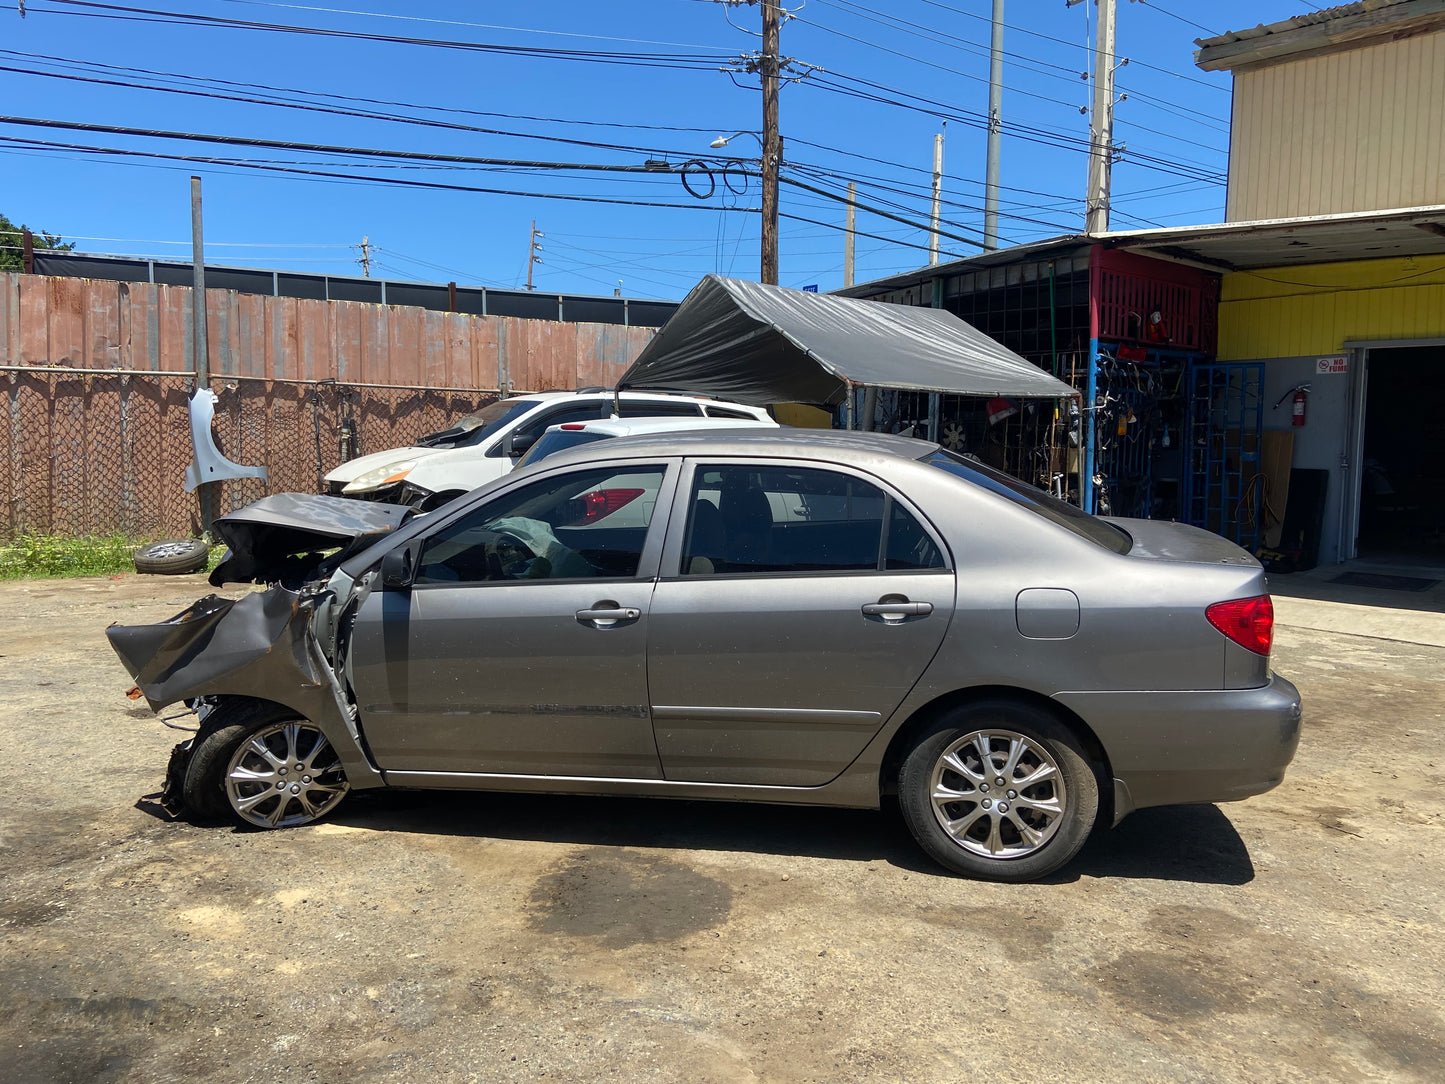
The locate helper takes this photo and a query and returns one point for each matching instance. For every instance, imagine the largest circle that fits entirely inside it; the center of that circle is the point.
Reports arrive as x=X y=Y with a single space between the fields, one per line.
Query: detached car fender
x=260 y=645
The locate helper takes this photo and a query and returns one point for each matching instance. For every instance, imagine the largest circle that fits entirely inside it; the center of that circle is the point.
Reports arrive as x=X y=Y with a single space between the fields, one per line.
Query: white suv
x=559 y=438
x=486 y=445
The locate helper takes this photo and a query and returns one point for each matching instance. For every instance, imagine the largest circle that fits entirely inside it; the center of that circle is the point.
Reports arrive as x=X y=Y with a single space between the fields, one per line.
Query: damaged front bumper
x=262 y=645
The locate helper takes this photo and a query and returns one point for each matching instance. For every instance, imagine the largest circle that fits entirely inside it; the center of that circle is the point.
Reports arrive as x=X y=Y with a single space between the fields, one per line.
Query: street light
x=723 y=141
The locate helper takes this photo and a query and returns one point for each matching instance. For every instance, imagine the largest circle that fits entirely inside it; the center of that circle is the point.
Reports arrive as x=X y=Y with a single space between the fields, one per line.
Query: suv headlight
x=381 y=476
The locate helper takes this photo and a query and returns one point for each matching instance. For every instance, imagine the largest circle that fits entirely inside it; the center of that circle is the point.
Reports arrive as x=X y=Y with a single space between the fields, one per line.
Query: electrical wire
x=92 y=9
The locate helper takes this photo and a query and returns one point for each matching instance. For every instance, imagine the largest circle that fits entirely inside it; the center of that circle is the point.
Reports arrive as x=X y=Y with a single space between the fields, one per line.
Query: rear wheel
x=1000 y=791
x=263 y=765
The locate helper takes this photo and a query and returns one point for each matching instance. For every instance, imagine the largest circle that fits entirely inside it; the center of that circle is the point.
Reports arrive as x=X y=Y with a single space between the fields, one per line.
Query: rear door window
x=745 y=519
x=654 y=409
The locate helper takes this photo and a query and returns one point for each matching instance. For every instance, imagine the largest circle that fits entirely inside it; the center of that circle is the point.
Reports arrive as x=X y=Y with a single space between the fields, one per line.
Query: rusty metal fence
x=90 y=454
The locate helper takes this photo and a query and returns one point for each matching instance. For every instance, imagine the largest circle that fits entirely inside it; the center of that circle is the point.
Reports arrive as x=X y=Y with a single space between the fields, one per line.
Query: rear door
x=798 y=606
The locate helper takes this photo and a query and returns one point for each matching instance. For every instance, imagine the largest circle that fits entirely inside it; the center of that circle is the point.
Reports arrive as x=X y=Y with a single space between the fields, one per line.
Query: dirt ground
x=1293 y=937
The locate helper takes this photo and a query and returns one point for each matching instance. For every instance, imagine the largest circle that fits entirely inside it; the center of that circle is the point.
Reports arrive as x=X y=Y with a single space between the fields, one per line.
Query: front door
x=805 y=604
x=521 y=646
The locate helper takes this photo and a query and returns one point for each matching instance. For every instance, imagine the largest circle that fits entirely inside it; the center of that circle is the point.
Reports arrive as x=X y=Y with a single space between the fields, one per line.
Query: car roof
x=625 y=427
x=836 y=445
x=665 y=396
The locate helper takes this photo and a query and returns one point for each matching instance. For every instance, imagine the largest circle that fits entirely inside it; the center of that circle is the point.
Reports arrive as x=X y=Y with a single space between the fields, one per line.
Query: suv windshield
x=1035 y=500
x=474 y=428
x=556 y=440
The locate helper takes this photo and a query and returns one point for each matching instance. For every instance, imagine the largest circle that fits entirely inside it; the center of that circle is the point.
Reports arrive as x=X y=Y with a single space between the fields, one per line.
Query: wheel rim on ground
x=283 y=775
x=998 y=793
x=162 y=550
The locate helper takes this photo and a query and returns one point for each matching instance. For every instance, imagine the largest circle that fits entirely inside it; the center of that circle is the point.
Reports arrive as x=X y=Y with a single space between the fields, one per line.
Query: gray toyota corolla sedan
x=776 y=616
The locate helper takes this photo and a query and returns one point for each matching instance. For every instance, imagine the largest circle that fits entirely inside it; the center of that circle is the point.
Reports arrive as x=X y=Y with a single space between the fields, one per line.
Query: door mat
x=1383 y=581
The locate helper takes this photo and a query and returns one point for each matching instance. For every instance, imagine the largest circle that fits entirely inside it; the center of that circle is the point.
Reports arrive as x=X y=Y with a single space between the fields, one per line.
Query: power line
x=272 y=90
x=694 y=62
x=459 y=22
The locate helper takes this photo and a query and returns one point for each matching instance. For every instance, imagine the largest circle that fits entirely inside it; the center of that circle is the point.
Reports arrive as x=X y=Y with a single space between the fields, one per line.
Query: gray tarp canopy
x=769 y=344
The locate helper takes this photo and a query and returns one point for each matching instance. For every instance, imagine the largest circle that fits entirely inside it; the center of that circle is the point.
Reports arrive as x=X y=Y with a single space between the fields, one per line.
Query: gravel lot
x=1296 y=936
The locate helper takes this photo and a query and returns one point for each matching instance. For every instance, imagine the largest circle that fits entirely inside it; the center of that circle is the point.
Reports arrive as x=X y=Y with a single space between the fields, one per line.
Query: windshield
x=556 y=440
x=1035 y=500
x=470 y=431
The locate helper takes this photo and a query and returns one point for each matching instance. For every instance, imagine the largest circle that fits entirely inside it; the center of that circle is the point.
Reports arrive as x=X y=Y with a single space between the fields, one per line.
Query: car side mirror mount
x=398 y=568
x=515 y=445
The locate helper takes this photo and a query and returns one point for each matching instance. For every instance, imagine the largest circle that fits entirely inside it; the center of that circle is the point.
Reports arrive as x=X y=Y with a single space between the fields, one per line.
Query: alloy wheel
x=998 y=793
x=283 y=775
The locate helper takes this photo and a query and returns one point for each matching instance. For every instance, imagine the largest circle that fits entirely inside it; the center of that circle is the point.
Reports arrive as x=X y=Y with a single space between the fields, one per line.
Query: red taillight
x=572 y=427
x=1249 y=622
x=601 y=503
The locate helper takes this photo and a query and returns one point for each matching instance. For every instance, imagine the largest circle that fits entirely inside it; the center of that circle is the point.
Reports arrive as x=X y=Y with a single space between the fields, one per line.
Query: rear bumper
x=1170 y=748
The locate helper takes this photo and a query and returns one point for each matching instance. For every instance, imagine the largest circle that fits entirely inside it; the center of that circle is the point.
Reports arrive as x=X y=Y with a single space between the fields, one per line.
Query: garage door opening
x=1402 y=480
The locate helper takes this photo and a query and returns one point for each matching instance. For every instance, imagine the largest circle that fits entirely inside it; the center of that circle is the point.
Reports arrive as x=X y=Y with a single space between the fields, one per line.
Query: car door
x=520 y=645
x=798 y=606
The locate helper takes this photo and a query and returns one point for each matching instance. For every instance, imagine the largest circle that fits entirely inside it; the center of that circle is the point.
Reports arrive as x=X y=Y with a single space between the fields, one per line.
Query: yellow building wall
x=1357 y=130
x=1287 y=312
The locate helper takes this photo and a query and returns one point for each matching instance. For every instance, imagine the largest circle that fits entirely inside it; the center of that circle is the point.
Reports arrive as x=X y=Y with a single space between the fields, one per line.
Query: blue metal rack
x=1223 y=488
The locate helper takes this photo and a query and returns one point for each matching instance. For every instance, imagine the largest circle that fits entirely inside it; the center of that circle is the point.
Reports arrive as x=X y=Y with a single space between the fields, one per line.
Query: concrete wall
x=1357 y=130
x=1319 y=443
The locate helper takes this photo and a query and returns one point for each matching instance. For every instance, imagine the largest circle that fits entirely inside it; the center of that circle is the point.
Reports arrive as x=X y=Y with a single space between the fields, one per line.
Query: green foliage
x=34 y=556
x=11 y=257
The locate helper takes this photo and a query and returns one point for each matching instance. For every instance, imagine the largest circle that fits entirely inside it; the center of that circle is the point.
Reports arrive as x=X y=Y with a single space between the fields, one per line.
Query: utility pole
x=27 y=251
x=768 y=65
x=532 y=249
x=200 y=343
x=1101 y=123
x=365 y=260
x=995 y=130
x=851 y=223
x=937 y=197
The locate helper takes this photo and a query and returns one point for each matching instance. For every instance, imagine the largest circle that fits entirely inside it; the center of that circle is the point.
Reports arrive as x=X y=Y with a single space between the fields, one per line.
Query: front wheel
x=999 y=791
x=263 y=765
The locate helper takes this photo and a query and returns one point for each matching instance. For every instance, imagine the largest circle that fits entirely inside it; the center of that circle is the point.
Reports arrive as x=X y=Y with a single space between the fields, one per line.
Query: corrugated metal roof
x=1227 y=246
x=1313 y=31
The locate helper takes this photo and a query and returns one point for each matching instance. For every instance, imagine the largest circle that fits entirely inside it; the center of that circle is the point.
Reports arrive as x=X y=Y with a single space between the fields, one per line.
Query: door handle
x=607 y=614
x=897 y=611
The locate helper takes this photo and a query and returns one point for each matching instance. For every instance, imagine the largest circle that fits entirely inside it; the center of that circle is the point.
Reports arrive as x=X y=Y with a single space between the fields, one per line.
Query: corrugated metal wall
x=90 y=323
x=1296 y=311
x=1358 y=130
x=86 y=452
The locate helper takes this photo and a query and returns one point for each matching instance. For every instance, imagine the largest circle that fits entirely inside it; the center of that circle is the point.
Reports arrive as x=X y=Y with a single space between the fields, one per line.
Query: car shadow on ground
x=1173 y=843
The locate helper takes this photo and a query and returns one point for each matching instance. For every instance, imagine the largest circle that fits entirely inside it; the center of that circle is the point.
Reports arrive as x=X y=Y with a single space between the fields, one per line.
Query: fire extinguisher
x=1299 y=409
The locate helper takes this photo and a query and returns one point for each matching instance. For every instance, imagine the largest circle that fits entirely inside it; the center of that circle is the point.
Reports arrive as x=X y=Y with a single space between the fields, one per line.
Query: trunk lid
x=1162 y=540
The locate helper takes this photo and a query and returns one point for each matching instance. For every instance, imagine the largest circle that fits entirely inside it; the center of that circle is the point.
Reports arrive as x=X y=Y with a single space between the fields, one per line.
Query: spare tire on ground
x=173 y=557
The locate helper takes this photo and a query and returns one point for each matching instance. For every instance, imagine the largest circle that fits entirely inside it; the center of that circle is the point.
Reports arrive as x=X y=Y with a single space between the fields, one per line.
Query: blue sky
x=658 y=95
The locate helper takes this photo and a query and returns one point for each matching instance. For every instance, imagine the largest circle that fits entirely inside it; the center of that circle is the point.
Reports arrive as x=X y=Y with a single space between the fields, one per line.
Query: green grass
x=36 y=556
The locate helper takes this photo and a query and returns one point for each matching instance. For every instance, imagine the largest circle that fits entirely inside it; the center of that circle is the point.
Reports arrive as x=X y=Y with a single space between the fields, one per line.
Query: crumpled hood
x=284 y=537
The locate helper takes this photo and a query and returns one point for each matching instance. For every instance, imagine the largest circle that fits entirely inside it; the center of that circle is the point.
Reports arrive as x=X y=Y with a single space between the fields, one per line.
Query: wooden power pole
x=532 y=249
x=768 y=65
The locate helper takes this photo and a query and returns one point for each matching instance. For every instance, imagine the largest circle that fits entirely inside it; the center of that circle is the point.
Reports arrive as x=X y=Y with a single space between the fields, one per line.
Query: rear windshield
x=1034 y=499
x=558 y=440
x=470 y=431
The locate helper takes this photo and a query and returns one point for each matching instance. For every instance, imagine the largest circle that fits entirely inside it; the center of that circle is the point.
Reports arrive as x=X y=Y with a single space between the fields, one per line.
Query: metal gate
x=1224 y=489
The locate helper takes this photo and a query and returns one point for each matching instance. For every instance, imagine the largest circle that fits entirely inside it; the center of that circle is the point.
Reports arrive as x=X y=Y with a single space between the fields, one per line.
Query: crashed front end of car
x=278 y=645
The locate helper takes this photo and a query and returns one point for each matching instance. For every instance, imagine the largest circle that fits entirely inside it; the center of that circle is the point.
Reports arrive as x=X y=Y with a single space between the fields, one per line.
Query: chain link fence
x=97 y=454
